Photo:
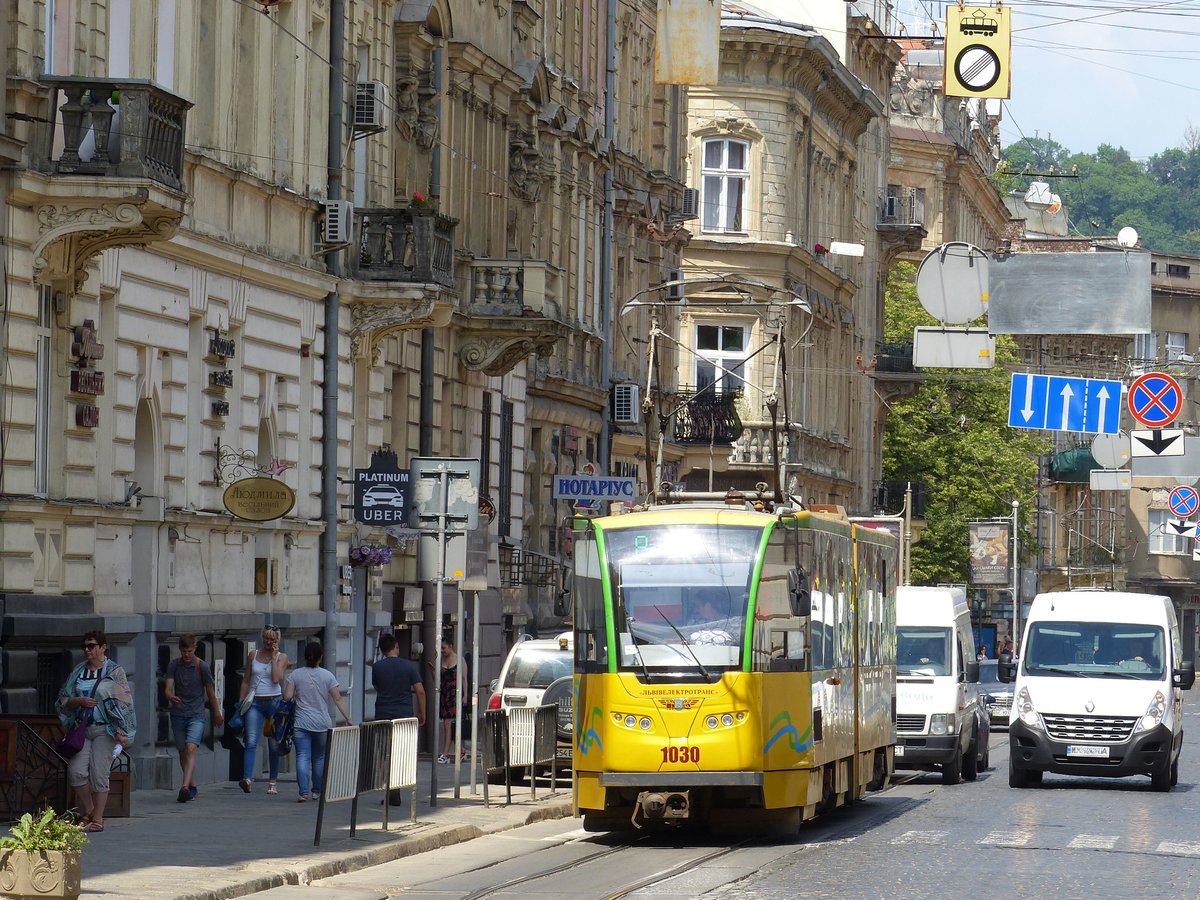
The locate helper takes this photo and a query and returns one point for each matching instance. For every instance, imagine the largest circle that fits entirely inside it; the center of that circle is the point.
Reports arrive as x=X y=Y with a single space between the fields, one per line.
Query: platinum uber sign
x=593 y=487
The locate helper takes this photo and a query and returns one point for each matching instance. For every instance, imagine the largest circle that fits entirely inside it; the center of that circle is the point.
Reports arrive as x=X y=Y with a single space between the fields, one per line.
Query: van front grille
x=1103 y=729
x=915 y=724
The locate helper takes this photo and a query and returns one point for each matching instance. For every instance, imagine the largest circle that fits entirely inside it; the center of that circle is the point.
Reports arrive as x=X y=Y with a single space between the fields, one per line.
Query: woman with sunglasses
x=96 y=692
x=263 y=677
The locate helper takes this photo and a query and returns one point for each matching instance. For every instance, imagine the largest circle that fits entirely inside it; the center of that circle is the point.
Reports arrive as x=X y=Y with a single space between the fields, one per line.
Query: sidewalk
x=227 y=844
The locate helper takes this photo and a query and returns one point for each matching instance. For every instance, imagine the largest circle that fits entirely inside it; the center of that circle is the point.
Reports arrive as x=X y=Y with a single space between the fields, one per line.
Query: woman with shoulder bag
x=262 y=679
x=96 y=696
x=311 y=688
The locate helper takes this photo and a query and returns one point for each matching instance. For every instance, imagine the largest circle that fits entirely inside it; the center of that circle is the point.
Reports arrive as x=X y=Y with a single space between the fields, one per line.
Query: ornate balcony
x=894 y=373
x=704 y=417
x=403 y=271
x=901 y=223
x=110 y=173
x=511 y=311
x=413 y=245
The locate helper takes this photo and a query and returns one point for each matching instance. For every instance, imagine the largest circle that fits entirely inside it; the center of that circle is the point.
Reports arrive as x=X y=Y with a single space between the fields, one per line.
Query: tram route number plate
x=1087 y=750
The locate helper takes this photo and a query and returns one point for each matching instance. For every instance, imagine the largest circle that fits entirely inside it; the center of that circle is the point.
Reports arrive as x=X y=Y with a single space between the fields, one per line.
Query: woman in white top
x=265 y=670
x=311 y=688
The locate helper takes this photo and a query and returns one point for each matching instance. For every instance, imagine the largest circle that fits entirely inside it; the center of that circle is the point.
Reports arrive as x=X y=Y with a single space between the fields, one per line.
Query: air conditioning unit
x=675 y=285
x=690 y=208
x=370 y=106
x=338 y=223
x=625 y=404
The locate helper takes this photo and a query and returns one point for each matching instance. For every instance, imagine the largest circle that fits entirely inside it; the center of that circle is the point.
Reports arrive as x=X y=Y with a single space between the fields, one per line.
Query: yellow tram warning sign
x=978 y=51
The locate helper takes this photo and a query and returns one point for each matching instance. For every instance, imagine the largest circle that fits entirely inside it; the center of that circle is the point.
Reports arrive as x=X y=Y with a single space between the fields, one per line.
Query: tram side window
x=591 y=633
x=781 y=641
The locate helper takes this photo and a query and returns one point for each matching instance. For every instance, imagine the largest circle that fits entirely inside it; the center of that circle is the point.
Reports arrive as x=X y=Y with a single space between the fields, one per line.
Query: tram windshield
x=681 y=594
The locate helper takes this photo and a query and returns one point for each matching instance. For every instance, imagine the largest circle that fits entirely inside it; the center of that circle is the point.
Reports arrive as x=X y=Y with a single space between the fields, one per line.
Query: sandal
x=93 y=827
x=271 y=789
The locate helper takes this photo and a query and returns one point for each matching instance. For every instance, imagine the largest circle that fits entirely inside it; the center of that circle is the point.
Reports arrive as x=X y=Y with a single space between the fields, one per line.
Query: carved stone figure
x=407 y=107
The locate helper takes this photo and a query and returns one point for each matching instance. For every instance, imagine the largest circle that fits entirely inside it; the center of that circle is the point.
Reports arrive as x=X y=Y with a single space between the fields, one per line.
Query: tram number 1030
x=675 y=754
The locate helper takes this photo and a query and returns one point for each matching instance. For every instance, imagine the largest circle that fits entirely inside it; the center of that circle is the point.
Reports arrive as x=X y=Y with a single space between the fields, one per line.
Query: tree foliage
x=1160 y=197
x=953 y=436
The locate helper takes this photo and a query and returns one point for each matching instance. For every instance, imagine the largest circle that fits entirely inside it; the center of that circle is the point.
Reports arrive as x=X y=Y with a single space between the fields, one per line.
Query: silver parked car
x=996 y=695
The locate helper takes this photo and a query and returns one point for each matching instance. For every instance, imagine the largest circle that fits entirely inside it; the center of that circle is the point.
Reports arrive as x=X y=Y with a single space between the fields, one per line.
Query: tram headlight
x=1154 y=714
x=727 y=720
x=711 y=721
x=1025 y=711
x=644 y=723
x=630 y=721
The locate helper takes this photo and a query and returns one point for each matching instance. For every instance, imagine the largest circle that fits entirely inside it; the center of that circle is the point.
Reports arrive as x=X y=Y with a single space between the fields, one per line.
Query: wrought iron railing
x=525 y=567
x=408 y=244
x=705 y=417
x=902 y=206
x=39 y=775
x=894 y=358
x=115 y=128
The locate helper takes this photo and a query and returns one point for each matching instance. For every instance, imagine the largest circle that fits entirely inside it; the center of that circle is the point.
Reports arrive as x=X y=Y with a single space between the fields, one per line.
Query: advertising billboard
x=989 y=553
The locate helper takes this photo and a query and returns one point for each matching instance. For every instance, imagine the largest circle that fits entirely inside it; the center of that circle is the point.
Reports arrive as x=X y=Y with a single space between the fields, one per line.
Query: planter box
x=117 y=806
x=39 y=873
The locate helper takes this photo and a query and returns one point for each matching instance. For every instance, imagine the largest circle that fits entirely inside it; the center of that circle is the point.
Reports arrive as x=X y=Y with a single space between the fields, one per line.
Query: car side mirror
x=973 y=672
x=799 y=593
x=1006 y=669
x=1185 y=675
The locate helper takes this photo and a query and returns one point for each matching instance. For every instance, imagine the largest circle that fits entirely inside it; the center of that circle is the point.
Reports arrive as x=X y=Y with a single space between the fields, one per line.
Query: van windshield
x=1099 y=649
x=923 y=650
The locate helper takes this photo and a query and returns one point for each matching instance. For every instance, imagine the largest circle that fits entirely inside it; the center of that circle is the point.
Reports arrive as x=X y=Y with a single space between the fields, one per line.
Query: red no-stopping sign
x=1155 y=399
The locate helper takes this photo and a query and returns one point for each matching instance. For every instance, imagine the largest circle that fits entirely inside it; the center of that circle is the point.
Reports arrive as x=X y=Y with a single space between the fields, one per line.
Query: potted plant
x=368 y=555
x=41 y=856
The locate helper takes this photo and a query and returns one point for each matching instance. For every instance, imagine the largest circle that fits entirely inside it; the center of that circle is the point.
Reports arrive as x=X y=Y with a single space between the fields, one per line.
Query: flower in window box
x=369 y=555
x=420 y=201
x=820 y=249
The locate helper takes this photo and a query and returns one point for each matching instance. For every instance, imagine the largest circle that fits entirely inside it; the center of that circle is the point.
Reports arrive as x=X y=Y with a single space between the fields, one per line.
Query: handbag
x=72 y=742
x=279 y=725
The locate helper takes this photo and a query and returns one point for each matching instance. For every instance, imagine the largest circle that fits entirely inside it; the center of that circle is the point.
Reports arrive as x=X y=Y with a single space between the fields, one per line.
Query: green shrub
x=49 y=831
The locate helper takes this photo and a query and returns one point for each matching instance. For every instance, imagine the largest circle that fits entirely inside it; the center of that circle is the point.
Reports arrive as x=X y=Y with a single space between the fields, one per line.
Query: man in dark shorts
x=395 y=681
x=189 y=683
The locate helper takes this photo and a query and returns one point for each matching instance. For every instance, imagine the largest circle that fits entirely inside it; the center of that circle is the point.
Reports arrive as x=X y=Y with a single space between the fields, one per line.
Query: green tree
x=952 y=436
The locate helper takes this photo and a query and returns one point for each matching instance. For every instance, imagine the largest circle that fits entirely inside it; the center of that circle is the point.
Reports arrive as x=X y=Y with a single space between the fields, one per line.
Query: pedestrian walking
x=396 y=682
x=311 y=688
x=96 y=693
x=449 y=675
x=263 y=678
x=188 y=685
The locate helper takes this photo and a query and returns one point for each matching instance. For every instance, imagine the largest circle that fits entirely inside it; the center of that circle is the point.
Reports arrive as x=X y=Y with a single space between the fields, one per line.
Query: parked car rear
x=996 y=696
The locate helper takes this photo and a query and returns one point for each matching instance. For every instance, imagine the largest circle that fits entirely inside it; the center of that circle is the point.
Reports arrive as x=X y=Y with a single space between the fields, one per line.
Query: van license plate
x=1086 y=750
x=899 y=750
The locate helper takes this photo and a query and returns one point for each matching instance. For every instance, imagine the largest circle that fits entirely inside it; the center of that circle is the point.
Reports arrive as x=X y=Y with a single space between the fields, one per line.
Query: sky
x=1092 y=72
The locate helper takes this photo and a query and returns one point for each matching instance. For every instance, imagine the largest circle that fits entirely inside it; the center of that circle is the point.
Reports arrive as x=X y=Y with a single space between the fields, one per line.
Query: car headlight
x=1025 y=709
x=941 y=723
x=1154 y=714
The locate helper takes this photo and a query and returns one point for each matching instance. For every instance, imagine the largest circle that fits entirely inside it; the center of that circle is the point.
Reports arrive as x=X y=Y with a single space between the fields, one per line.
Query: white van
x=937 y=684
x=1097 y=688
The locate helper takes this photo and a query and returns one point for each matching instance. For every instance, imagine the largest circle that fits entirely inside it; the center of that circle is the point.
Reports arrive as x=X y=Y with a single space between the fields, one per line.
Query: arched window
x=726 y=179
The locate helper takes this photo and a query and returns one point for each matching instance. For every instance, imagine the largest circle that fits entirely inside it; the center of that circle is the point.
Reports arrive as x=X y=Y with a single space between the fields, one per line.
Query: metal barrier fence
x=374 y=756
x=519 y=738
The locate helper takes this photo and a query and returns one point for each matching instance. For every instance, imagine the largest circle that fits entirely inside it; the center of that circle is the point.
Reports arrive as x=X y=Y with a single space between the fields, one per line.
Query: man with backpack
x=189 y=683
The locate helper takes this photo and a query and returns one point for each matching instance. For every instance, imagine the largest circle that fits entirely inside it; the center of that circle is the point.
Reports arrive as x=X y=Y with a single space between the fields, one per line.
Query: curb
x=374 y=856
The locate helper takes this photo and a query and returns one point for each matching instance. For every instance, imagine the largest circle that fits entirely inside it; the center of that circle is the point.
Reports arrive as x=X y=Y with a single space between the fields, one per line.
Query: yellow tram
x=732 y=665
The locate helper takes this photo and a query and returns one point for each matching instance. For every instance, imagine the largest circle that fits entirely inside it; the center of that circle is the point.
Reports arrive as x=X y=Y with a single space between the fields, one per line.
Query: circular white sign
x=952 y=283
x=1111 y=450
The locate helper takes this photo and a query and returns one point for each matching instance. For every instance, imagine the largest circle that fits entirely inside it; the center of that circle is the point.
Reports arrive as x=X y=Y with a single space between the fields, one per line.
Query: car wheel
x=1160 y=780
x=1175 y=772
x=985 y=762
x=952 y=771
x=970 y=761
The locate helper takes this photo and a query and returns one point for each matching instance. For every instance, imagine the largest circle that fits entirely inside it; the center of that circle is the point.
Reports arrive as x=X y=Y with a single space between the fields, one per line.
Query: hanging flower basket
x=370 y=555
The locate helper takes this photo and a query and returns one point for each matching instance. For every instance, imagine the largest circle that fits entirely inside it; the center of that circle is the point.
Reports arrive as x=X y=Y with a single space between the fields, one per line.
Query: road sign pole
x=443 y=498
x=1016 y=574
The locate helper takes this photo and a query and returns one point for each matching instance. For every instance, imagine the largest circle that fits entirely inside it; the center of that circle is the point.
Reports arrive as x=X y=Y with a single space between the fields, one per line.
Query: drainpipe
x=606 y=237
x=329 y=391
x=425 y=426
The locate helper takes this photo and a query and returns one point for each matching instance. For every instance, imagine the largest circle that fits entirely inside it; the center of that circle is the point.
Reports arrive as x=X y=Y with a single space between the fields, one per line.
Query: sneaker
x=303 y=798
x=245 y=784
x=183 y=796
x=444 y=760
x=192 y=792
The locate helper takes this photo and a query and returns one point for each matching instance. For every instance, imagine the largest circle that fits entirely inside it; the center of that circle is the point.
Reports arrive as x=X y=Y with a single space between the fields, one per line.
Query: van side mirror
x=562 y=604
x=799 y=592
x=1006 y=669
x=1185 y=675
x=973 y=672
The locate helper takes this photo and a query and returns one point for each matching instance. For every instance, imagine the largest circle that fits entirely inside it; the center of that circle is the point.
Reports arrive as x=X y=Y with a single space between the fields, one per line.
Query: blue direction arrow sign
x=1065 y=404
x=1184 y=501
